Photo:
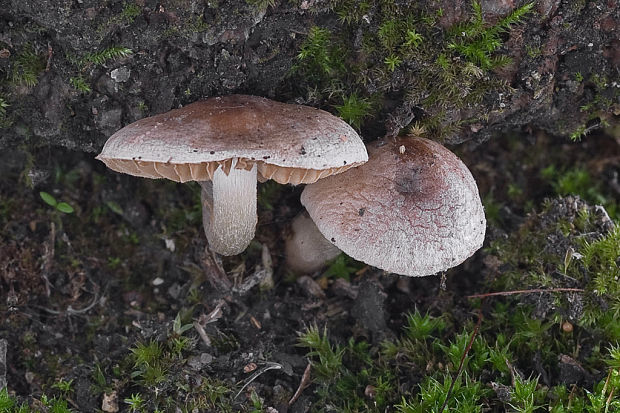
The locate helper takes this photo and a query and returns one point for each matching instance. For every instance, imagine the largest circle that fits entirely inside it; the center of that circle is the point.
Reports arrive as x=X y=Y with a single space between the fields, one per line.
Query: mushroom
x=412 y=209
x=306 y=249
x=226 y=143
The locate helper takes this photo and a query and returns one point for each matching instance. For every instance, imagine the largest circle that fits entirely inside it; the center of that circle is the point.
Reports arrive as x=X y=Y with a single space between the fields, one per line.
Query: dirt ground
x=81 y=290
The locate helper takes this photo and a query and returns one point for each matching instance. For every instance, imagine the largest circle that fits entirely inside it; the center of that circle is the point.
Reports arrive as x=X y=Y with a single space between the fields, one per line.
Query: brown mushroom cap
x=413 y=213
x=288 y=143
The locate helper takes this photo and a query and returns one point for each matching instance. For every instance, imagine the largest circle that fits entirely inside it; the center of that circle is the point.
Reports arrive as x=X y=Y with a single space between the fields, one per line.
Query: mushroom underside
x=184 y=172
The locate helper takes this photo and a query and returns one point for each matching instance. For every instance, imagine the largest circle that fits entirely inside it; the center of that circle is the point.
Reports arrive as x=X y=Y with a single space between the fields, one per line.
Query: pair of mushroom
x=413 y=204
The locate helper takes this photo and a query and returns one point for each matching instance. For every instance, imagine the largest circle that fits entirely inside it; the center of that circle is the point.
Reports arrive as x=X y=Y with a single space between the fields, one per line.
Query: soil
x=80 y=289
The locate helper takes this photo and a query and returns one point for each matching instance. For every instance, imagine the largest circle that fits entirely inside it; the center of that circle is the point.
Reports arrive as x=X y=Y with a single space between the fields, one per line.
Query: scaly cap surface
x=413 y=213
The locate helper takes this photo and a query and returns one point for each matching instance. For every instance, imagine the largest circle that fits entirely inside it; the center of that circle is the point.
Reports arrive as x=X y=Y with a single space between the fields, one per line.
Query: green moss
x=598 y=108
x=3 y=106
x=477 y=41
x=343 y=266
x=434 y=392
x=26 y=67
x=128 y=14
x=197 y=24
x=599 y=259
x=578 y=181
x=392 y=62
x=352 y=11
x=130 y=11
x=102 y=56
x=319 y=58
x=5 y=120
x=440 y=77
x=492 y=209
x=354 y=110
x=584 y=262
x=261 y=4
x=79 y=83
x=356 y=376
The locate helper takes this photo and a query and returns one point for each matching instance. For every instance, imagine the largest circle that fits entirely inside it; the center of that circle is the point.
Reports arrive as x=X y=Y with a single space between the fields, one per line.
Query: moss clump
x=26 y=67
x=88 y=60
x=385 y=50
x=434 y=367
x=568 y=245
x=477 y=41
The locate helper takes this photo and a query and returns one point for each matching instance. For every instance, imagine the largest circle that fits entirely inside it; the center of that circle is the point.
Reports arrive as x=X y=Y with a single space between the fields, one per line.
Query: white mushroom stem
x=229 y=209
x=305 y=247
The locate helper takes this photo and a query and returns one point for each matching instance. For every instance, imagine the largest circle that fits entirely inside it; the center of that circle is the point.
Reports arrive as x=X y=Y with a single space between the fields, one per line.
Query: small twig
x=536 y=290
x=202 y=333
x=611 y=395
x=269 y=366
x=305 y=381
x=74 y=404
x=212 y=267
x=48 y=258
x=205 y=319
x=72 y=311
x=250 y=282
x=571 y=396
x=214 y=315
x=50 y=53
x=460 y=369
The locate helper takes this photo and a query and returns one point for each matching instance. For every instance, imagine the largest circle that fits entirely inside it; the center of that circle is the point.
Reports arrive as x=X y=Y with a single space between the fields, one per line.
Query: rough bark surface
x=66 y=83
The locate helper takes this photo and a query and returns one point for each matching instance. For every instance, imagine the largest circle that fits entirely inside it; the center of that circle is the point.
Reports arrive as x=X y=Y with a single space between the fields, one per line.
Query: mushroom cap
x=289 y=143
x=414 y=213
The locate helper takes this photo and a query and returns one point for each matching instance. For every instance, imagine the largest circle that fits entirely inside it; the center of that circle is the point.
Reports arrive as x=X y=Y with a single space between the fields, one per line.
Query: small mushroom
x=411 y=212
x=226 y=144
x=306 y=249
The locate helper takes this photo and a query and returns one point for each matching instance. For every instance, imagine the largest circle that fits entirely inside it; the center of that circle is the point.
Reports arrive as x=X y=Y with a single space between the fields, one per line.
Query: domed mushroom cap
x=288 y=143
x=413 y=213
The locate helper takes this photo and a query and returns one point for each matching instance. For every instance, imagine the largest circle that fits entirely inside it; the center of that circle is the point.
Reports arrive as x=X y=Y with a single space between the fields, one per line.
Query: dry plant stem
x=608 y=401
x=460 y=369
x=611 y=393
x=3 y=351
x=72 y=311
x=229 y=209
x=214 y=271
x=536 y=290
x=48 y=258
x=214 y=315
x=305 y=381
x=50 y=53
x=269 y=366
x=202 y=333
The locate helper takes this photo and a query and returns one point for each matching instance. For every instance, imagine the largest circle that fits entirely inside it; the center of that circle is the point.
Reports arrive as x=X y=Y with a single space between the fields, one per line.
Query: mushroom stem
x=306 y=248
x=229 y=209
